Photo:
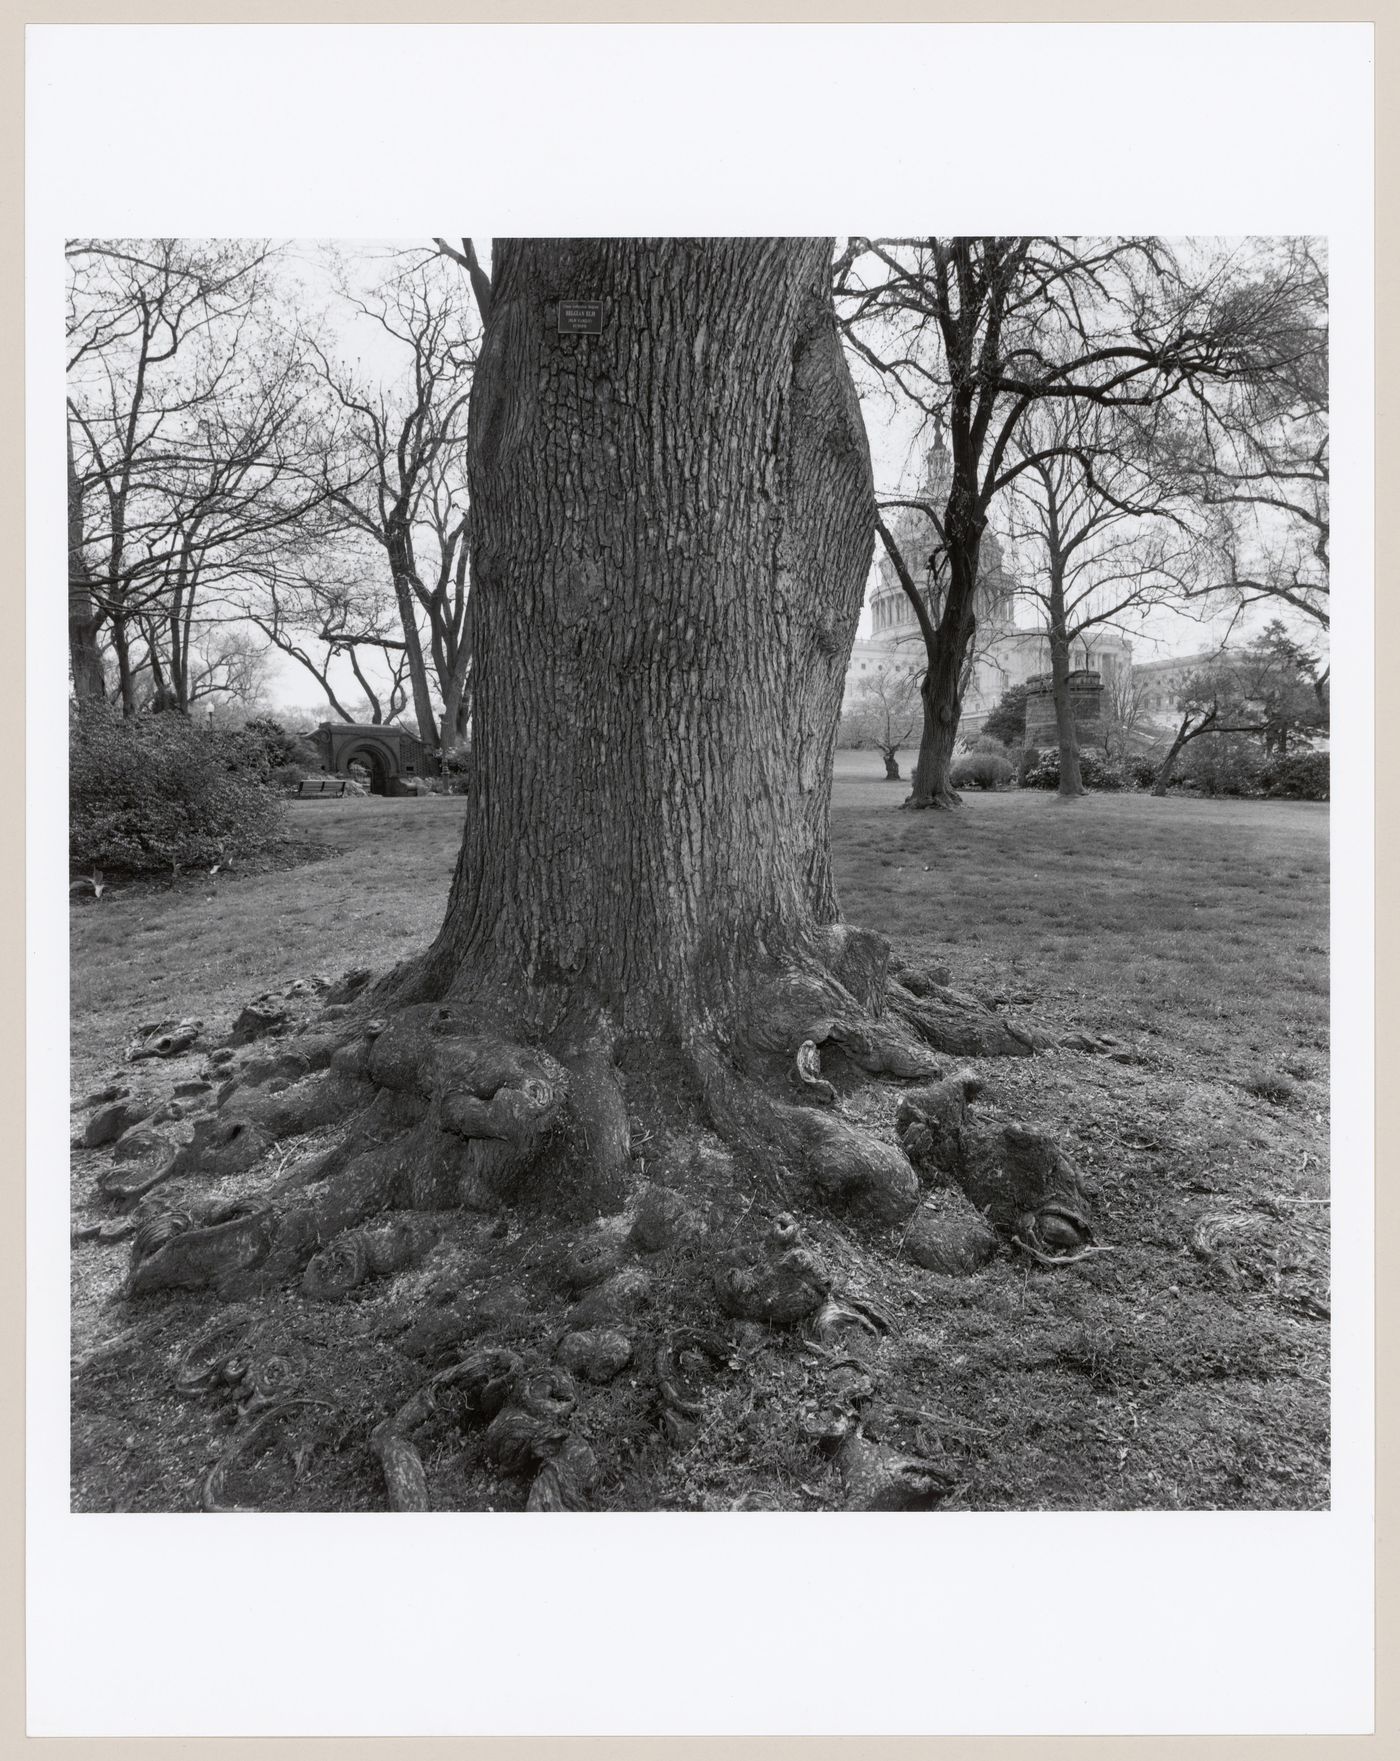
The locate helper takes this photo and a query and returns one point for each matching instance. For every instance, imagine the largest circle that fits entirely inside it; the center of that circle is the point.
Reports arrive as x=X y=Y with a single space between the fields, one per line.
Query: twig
x=1069 y=1259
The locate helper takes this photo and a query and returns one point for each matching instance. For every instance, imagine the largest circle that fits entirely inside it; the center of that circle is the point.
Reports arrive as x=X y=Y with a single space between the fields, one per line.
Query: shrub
x=157 y=792
x=1007 y=720
x=279 y=746
x=1222 y=764
x=453 y=782
x=456 y=769
x=1142 y=771
x=1301 y=776
x=1027 y=762
x=1094 y=771
x=1098 y=772
x=980 y=770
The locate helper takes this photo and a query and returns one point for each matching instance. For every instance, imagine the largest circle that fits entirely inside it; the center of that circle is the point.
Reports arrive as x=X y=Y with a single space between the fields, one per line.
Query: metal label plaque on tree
x=580 y=317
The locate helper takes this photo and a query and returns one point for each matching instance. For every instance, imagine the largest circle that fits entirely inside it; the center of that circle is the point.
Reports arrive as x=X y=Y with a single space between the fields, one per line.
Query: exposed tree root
x=216 y=1356
x=682 y=1361
x=962 y=1027
x=1013 y=1175
x=878 y=1477
x=478 y=1387
x=437 y=1104
x=566 y=1479
x=212 y=1490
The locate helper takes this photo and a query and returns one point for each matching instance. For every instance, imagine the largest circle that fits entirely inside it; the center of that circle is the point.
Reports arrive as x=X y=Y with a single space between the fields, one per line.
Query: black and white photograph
x=700 y=873
x=700 y=859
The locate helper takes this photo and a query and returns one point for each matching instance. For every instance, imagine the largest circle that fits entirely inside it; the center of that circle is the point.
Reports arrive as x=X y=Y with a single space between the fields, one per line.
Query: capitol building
x=1006 y=652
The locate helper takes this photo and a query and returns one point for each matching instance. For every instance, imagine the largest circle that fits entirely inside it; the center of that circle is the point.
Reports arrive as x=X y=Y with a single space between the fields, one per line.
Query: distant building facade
x=1005 y=652
x=1161 y=680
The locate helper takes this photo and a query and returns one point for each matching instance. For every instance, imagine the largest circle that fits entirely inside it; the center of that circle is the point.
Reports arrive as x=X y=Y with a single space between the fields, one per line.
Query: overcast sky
x=897 y=451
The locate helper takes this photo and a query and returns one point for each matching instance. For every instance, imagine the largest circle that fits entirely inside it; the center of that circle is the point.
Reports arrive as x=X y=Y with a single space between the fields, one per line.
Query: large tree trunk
x=673 y=522
x=672 y=526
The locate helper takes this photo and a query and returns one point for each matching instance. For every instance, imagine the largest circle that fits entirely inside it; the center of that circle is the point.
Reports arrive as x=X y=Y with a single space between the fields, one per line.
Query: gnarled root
x=843 y=1165
x=959 y=1025
x=217 y=1355
x=566 y=1479
x=877 y=1476
x=949 y=1234
x=681 y=1361
x=212 y=1490
x=361 y=1254
x=1013 y=1171
x=268 y=1246
x=1013 y=1176
x=436 y=1104
x=853 y=1170
x=532 y=1428
x=844 y=1318
x=527 y=1433
x=779 y=1280
x=799 y=1007
x=476 y=1387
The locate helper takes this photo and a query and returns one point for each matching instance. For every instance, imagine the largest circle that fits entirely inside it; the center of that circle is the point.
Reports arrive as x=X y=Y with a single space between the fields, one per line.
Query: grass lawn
x=1186 y=1369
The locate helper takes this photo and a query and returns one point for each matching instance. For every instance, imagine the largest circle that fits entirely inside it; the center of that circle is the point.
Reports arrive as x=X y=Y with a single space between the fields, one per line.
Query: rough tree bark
x=673 y=523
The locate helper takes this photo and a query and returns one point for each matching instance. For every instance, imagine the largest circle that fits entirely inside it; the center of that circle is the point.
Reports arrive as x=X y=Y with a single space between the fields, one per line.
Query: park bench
x=321 y=786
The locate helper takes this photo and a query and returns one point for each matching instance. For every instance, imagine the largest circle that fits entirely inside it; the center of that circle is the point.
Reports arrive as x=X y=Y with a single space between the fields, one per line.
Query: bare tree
x=405 y=454
x=1210 y=702
x=1102 y=532
x=977 y=331
x=1125 y=709
x=1257 y=451
x=330 y=617
x=189 y=449
x=139 y=311
x=223 y=664
x=480 y=281
x=885 y=711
